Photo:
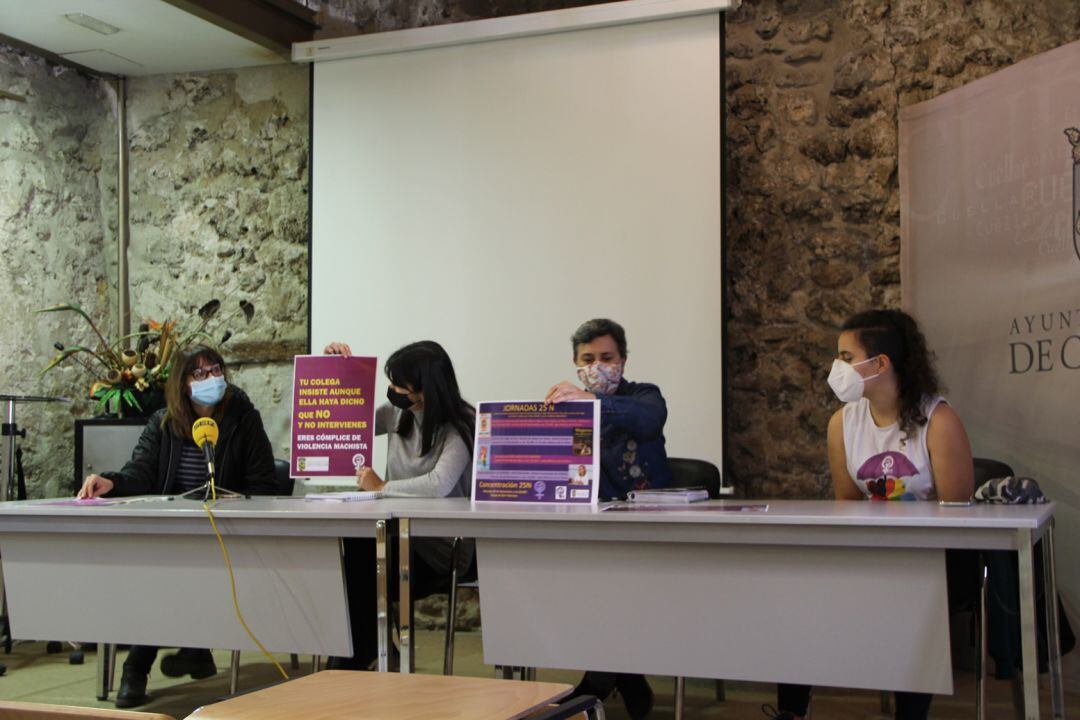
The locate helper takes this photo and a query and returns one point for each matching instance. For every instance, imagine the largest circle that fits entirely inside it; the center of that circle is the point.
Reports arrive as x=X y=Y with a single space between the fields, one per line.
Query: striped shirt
x=192 y=471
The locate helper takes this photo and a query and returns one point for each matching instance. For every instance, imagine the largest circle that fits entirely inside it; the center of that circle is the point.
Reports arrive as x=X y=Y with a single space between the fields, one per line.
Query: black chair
x=591 y=706
x=687 y=472
x=469 y=579
x=985 y=469
x=281 y=474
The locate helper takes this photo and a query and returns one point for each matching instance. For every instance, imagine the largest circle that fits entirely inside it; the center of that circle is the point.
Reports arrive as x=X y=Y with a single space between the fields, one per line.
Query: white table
x=849 y=594
x=151 y=572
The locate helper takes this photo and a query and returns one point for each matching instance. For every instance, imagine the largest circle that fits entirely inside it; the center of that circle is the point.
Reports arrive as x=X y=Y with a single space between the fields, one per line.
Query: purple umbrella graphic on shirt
x=886 y=476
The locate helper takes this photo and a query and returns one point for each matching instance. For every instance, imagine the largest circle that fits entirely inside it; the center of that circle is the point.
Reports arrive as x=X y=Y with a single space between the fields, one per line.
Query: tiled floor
x=36 y=676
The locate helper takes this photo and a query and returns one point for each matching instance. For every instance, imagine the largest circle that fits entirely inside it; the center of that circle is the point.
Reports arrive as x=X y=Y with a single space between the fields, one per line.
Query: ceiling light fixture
x=92 y=23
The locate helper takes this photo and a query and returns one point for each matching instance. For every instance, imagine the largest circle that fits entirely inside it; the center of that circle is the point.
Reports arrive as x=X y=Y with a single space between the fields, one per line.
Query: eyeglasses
x=201 y=373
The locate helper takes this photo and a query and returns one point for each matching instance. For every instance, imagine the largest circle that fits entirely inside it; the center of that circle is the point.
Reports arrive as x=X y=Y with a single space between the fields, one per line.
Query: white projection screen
x=493 y=195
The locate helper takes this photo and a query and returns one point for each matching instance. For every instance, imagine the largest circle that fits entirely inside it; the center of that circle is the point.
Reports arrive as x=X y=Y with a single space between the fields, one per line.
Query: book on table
x=674 y=496
x=349 y=496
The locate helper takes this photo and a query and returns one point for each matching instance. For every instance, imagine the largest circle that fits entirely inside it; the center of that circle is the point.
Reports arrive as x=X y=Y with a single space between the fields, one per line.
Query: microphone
x=205 y=434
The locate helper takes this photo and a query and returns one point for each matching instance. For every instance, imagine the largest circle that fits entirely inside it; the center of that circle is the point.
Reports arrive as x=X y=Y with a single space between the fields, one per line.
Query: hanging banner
x=990 y=266
x=333 y=415
x=535 y=453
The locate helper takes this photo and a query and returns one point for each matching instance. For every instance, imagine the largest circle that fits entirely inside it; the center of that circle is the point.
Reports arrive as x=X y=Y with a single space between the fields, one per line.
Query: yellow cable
x=232 y=584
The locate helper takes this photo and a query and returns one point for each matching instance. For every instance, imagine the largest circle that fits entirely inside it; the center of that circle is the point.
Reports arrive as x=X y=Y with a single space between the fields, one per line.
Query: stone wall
x=813 y=87
x=353 y=17
x=57 y=228
x=218 y=179
x=813 y=92
x=219 y=208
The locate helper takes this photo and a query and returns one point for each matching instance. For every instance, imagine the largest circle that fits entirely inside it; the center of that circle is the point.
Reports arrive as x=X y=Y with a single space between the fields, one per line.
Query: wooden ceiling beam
x=274 y=24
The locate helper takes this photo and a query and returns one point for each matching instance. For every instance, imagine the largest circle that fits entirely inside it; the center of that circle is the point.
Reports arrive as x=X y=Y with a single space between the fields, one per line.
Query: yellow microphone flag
x=204 y=430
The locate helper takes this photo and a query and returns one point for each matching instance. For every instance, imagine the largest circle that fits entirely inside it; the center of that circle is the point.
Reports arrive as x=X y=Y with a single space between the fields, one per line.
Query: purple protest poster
x=333 y=415
x=530 y=452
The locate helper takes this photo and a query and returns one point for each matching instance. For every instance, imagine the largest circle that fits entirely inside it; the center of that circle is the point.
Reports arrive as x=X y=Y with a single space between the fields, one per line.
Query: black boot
x=132 y=692
x=195 y=662
x=598 y=684
x=636 y=693
x=346 y=663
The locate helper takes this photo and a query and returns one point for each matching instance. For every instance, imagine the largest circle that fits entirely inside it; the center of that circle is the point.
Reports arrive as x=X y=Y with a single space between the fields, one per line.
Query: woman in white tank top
x=895 y=438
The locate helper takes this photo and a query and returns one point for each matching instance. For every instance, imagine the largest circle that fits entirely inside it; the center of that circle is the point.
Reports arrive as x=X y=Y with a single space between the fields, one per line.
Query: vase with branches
x=131 y=371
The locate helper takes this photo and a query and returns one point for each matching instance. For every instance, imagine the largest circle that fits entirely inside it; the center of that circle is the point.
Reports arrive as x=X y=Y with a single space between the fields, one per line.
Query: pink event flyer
x=333 y=415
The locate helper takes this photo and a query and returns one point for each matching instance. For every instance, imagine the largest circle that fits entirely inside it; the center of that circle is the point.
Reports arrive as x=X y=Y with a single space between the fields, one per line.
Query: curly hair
x=896 y=335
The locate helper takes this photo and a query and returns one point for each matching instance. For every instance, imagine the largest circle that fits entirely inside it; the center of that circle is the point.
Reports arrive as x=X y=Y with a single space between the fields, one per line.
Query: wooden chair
x=12 y=710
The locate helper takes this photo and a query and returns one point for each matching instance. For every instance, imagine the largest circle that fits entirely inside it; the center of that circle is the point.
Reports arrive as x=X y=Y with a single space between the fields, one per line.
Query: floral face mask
x=600 y=378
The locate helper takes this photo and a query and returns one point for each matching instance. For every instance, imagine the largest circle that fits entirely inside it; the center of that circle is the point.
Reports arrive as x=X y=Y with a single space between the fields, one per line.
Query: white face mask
x=846 y=382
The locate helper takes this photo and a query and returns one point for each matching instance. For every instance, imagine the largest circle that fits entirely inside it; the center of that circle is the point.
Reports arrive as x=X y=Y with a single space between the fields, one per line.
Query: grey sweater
x=443 y=472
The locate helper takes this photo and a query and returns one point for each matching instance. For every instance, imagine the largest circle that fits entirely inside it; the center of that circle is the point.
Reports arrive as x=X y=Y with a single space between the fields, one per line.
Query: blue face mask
x=208 y=392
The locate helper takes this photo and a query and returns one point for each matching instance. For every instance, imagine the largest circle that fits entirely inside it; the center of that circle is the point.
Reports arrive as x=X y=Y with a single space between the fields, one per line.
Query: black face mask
x=398 y=400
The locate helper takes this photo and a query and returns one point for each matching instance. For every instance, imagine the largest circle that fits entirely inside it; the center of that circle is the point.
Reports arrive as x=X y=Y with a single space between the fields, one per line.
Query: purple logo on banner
x=333 y=418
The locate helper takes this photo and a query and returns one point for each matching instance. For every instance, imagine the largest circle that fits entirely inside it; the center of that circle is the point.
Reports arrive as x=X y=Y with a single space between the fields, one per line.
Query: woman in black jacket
x=166 y=461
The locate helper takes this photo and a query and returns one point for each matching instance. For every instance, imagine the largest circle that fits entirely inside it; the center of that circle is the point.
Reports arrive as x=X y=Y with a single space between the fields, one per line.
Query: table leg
x=103 y=671
x=1028 y=626
x=5 y=621
x=234 y=672
x=405 y=595
x=1053 y=639
x=382 y=586
x=981 y=641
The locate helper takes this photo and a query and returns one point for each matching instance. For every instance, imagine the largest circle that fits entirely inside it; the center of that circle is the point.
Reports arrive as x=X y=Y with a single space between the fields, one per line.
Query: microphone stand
x=204 y=491
x=206 y=488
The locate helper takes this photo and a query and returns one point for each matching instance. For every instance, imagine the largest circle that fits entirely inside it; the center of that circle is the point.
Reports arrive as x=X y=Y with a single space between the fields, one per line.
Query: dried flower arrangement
x=122 y=374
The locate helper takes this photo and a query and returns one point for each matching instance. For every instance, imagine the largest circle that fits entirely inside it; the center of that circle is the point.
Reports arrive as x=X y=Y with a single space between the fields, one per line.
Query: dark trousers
x=600 y=684
x=428 y=576
x=795 y=699
x=141 y=658
x=963 y=586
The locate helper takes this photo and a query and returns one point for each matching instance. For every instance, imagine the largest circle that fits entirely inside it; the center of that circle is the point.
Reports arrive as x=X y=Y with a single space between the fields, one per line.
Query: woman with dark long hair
x=895 y=438
x=429 y=454
x=167 y=461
